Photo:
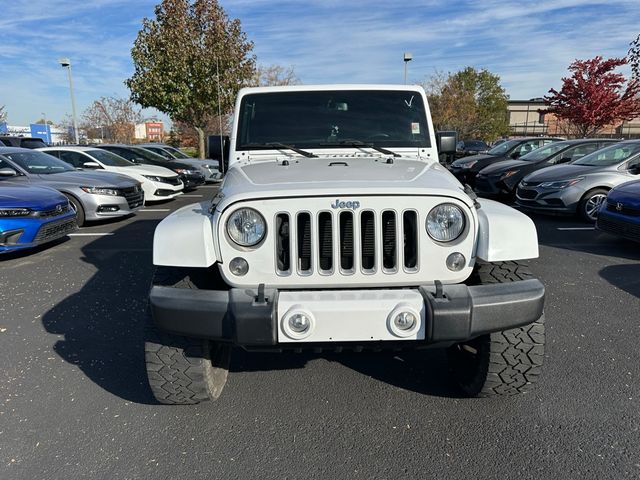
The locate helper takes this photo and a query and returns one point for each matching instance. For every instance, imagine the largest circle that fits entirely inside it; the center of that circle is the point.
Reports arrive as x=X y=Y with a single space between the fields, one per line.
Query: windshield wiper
x=282 y=145
x=349 y=142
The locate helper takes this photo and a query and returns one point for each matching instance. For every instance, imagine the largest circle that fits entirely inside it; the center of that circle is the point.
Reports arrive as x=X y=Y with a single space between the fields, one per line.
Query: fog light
x=299 y=322
x=238 y=266
x=456 y=262
x=404 y=321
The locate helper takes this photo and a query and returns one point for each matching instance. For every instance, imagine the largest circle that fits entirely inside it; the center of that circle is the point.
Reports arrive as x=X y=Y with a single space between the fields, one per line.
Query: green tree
x=190 y=61
x=470 y=101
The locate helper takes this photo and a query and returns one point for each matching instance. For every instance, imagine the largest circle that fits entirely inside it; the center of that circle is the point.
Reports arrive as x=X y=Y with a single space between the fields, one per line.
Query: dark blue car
x=31 y=216
x=620 y=214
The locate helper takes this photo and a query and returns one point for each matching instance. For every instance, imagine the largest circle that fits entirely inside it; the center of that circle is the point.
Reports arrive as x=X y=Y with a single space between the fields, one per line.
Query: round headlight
x=445 y=222
x=246 y=227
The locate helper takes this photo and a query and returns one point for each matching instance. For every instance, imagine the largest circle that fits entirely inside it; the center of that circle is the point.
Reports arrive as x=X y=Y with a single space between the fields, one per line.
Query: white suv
x=337 y=229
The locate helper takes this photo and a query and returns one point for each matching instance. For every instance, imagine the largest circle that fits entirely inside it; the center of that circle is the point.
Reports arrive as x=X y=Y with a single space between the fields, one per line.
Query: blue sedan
x=31 y=216
x=620 y=214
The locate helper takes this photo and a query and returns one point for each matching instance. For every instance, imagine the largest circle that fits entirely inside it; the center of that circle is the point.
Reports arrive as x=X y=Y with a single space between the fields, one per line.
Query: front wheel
x=501 y=363
x=78 y=208
x=591 y=203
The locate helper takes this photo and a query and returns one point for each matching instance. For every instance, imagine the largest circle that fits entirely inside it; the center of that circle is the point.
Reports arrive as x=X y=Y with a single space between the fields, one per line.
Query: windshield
x=110 y=159
x=609 y=155
x=161 y=152
x=176 y=153
x=544 y=152
x=147 y=155
x=326 y=118
x=474 y=145
x=504 y=147
x=39 y=163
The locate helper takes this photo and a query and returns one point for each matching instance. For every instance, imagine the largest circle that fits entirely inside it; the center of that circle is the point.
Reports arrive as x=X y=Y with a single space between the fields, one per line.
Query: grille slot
x=389 y=241
x=410 y=234
x=368 y=240
x=325 y=242
x=283 y=243
x=304 y=242
x=346 y=241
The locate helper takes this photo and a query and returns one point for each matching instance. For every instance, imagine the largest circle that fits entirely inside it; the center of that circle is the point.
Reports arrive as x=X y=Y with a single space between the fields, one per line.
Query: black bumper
x=191 y=181
x=239 y=317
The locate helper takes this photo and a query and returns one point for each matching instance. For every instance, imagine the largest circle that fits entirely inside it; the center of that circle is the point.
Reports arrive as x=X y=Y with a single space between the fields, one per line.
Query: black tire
x=183 y=370
x=502 y=363
x=77 y=206
x=592 y=200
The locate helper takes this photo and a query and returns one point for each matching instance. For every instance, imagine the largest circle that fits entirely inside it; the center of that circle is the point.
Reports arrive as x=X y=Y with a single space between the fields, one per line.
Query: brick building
x=151 y=131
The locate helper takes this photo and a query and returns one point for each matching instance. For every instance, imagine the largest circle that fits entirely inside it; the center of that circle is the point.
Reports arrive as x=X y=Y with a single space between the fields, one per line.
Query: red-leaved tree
x=595 y=96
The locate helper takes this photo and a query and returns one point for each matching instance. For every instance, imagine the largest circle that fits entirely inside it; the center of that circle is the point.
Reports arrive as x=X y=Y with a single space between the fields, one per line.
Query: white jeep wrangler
x=336 y=228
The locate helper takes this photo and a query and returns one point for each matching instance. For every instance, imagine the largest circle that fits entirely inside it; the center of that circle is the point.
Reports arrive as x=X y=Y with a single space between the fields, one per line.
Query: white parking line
x=576 y=228
x=155 y=210
x=90 y=234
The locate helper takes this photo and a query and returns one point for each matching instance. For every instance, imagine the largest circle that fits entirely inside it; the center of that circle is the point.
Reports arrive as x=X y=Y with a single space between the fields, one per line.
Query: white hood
x=145 y=170
x=306 y=177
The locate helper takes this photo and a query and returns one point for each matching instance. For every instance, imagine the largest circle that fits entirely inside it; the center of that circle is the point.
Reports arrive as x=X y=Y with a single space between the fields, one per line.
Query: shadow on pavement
x=102 y=323
x=625 y=277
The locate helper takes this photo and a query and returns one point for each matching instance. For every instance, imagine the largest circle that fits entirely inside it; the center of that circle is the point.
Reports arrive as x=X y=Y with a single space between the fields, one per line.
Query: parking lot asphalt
x=74 y=401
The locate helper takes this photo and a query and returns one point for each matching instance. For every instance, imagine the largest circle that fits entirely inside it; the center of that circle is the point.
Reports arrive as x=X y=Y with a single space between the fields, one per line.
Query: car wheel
x=591 y=203
x=183 y=370
x=79 y=209
x=502 y=363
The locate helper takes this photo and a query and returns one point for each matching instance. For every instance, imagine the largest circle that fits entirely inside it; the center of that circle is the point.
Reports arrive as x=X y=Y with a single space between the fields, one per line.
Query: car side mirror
x=515 y=155
x=218 y=149
x=564 y=160
x=447 y=141
x=93 y=165
x=634 y=170
x=8 y=172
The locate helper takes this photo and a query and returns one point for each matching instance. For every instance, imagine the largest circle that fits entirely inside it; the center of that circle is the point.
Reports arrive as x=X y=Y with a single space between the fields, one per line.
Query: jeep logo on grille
x=352 y=205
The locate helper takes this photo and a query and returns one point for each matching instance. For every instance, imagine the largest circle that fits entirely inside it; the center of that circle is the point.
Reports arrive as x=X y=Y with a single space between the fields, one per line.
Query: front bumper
x=106 y=206
x=246 y=318
x=29 y=233
x=192 y=180
x=625 y=226
x=553 y=201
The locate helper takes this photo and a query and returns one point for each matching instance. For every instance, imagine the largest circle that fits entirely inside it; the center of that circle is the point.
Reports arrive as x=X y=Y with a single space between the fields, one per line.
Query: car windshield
x=609 y=155
x=147 y=155
x=38 y=162
x=109 y=158
x=329 y=119
x=504 y=147
x=176 y=153
x=544 y=152
x=475 y=144
x=161 y=152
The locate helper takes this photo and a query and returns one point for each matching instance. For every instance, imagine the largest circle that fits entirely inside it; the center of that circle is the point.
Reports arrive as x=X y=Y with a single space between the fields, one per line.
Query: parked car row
x=597 y=179
x=47 y=192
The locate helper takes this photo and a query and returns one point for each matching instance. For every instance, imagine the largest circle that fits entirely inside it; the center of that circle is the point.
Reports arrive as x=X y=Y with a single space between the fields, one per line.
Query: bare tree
x=112 y=119
x=66 y=125
x=3 y=114
x=272 y=75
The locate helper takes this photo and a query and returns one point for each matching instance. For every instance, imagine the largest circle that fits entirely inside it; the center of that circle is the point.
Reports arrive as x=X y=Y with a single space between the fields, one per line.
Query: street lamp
x=66 y=63
x=407 y=58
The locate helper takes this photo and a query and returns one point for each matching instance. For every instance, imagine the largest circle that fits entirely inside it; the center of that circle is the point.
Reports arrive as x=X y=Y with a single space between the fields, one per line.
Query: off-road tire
x=183 y=370
x=502 y=363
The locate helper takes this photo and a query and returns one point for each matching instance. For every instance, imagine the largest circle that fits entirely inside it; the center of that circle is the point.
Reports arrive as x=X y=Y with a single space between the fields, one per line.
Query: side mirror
x=446 y=141
x=8 y=172
x=218 y=147
x=515 y=155
x=633 y=170
x=565 y=160
x=93 y=165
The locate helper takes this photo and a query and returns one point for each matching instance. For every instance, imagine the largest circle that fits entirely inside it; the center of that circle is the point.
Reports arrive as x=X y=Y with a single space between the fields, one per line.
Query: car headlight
x=184 y=171
x=15 y=212
x=468 y=165
x=508 y=174
x=445 y=222
x=246 y=227
x=154 y=178
x=100 y=190
x=562 y=183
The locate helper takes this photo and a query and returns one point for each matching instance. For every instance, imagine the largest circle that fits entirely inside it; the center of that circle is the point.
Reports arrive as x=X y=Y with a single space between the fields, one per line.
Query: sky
x=529 y=44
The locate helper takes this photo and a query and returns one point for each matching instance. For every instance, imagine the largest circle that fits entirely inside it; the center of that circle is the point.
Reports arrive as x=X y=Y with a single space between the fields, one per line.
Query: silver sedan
x=582 y=185
x=94 y=195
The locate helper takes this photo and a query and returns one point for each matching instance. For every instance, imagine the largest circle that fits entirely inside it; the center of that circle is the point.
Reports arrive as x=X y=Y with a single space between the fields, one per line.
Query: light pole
x=407 y=58
x=66 y=63
x=46 y=127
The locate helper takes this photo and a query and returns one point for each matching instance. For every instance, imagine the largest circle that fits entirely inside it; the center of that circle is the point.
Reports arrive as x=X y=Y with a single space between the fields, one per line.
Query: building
x=529 y=117
x=51 y=134
x=151 y=131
